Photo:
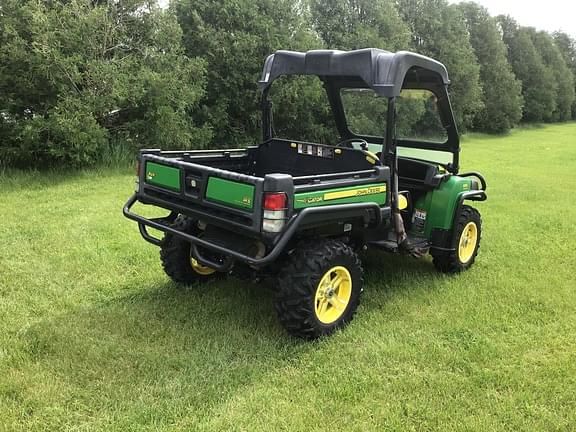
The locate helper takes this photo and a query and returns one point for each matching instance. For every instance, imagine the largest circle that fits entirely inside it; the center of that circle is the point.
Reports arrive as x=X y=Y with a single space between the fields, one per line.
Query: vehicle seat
x=285 y=156
x=416 y=174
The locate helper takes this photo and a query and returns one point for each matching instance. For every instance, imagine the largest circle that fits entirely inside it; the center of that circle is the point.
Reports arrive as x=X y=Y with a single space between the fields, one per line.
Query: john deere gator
x=301 y=212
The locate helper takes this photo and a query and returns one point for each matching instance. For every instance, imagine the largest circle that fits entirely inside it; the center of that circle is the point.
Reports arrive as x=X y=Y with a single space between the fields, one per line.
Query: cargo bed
x=228 y=185
x=225 y=189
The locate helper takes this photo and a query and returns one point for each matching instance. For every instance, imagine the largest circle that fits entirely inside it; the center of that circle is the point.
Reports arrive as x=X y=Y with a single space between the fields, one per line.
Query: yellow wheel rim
x=333 y=294
x=200 y=269
x=467 y=243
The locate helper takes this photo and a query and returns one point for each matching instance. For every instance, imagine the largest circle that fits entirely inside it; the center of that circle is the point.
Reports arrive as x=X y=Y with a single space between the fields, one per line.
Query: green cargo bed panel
x=163 y=176
x=229 y=192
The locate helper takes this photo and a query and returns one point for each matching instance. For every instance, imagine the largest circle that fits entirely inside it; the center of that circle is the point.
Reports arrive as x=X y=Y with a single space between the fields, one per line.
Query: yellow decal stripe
x=354 y=192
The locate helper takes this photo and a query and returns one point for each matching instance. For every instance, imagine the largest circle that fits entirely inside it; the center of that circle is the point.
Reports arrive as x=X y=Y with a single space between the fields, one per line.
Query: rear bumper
x=372 y=213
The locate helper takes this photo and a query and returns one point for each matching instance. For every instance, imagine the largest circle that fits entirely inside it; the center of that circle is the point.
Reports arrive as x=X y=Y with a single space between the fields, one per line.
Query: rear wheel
x=466 y=241
x=319 y=289
x=176 y=257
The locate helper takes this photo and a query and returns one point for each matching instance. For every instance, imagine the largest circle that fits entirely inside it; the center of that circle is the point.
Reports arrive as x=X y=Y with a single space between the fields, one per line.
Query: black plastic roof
x=385 y=72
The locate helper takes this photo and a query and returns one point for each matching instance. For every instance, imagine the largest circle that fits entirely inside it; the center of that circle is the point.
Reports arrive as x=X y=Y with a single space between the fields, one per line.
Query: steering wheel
x=348 y=143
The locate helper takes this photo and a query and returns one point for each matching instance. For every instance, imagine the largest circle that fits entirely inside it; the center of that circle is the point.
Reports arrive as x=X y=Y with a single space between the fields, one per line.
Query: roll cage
x=386 y=73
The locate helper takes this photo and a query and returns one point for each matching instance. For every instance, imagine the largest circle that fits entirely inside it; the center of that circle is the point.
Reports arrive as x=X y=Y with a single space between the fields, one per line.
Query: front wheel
x=319 y=289
x=466 y=236
x=176 y=257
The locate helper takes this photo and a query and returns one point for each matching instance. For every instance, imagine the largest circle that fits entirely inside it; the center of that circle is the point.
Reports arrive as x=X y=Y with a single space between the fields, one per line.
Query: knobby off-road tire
x=309 y=302
x=176 y=259
x=466 y=236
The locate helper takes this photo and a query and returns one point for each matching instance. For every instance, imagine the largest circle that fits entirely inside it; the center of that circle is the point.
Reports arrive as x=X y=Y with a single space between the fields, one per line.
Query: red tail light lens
x=274 y=201
x=274 y=214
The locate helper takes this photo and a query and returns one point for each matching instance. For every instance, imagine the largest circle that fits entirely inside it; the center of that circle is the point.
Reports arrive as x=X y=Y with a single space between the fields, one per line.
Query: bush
x=69 y=135
x=75 y=75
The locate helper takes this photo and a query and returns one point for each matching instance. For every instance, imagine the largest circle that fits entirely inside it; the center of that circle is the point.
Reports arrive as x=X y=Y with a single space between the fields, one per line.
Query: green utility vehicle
x=301 y=212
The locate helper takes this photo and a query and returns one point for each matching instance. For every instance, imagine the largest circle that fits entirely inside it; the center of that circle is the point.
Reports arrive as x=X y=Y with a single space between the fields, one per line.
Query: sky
x=546 y=15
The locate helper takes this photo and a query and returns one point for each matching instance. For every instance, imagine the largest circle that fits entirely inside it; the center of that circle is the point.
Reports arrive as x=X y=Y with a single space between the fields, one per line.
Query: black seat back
x=417 y=174
x=303 y=159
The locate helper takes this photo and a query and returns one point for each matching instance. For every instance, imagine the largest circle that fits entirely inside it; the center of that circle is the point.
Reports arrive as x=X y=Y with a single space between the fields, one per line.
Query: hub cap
x=200 y=269
x=467 y=243
x=333 y=294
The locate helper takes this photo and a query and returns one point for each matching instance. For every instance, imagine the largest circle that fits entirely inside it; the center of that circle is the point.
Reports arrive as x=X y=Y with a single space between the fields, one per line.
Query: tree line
x=79 y=78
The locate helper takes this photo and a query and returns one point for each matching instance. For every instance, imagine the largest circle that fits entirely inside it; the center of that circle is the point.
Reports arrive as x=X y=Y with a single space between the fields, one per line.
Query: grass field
x=93 y=336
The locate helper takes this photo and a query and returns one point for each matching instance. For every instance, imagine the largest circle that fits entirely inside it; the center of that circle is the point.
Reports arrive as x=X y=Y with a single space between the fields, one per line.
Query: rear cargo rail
x=224 y=197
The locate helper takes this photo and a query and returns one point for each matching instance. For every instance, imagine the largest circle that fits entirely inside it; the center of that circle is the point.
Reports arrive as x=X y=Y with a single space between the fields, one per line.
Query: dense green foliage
x=94 y=336
x=301 y=110
x=501 y=91
x=234 y=37
x=538 y=86
x=77 y=75
x=567 y=47
x=562 y=76
x=355 y=24
x=83 y=79
x=438 y=30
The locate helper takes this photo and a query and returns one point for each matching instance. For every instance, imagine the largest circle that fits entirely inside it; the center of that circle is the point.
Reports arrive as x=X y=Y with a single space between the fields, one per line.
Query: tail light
x=274 y=216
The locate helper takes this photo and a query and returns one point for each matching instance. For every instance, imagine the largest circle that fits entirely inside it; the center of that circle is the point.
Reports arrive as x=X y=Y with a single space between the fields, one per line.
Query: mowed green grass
x=93 y=335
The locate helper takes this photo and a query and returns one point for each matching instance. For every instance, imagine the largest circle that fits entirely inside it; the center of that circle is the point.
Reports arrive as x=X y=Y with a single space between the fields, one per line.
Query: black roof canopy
x=383 y=71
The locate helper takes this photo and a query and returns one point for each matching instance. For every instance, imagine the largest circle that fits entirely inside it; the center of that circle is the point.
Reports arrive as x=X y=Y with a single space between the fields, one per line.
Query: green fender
x=436 y=208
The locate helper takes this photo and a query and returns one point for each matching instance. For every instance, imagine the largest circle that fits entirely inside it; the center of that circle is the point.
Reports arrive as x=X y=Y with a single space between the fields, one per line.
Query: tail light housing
x=137 y=185
x=275 y=210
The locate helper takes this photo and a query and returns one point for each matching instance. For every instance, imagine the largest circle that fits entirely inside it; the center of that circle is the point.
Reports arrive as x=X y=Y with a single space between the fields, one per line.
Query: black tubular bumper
x=305 y=216
x=472 y=195
x=478 y=176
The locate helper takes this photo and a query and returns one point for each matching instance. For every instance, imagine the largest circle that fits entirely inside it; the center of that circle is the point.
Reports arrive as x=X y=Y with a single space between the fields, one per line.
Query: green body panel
x=440 y=203
x=375 y=192
x=229 y=192
x=163 y=176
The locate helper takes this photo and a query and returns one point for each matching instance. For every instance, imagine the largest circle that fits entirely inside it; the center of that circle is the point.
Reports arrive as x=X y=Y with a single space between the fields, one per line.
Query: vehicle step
x=392 y=246
x=387 y=245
